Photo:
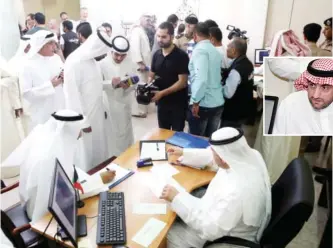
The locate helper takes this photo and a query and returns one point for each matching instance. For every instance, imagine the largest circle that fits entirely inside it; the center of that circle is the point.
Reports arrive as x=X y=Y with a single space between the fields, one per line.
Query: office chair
x=16 y=225
x=292 y=205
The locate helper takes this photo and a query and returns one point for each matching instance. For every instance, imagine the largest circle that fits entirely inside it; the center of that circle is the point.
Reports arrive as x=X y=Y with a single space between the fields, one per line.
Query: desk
x=136 y=191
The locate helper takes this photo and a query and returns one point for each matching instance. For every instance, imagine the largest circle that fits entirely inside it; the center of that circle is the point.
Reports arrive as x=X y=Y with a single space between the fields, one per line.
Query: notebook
x=93 y=185
x=186 y=140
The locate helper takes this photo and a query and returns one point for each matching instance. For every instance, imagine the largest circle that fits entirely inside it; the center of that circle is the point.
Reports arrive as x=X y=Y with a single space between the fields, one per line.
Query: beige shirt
x=182 y=42
x=318 y=52
x=326 y=45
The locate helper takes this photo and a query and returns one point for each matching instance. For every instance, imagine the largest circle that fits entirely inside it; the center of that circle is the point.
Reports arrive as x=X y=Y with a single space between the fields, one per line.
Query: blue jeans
x=208 y=122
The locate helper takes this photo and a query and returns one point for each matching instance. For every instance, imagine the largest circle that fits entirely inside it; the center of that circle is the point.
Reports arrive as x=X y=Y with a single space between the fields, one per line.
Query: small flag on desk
x=76 y=182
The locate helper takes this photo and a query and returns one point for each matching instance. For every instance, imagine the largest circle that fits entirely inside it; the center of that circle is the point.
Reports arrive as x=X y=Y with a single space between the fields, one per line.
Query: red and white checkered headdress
x=319 y=71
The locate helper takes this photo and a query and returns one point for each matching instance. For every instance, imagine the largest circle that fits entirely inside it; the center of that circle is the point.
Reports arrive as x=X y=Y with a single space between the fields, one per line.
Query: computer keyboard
x=111 y=229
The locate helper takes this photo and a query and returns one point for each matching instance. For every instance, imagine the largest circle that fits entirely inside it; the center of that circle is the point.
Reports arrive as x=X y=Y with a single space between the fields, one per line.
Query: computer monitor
x=259 y=56
x=271 y=104
x=62 y=202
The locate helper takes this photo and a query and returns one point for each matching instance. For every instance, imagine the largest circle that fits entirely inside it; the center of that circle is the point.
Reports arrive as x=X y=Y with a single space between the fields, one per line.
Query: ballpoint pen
x=157 y=147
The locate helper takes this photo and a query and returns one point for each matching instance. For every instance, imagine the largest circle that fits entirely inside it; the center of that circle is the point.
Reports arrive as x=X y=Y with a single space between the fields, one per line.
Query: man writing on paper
x=57 y=138
x=41 y=78
x=116 y=66
x=228 y=208
x=310 y=110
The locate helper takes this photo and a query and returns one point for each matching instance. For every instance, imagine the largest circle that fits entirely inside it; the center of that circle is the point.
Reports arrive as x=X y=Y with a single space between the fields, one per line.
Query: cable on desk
x=42 y=237
x=91 y=217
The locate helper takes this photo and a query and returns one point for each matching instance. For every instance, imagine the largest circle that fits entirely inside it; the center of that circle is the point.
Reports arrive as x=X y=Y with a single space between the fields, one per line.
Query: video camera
x=145 y=92
x=236 y=32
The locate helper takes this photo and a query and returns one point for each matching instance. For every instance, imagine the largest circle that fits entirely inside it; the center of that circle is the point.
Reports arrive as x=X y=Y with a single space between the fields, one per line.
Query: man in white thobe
x=310 y=110
x=141 y=55
x=116 y=67
x=11 y=14
x=41 y=79
x=57 y=138
x=10 y=110
x=83 y=90
x=227 y=208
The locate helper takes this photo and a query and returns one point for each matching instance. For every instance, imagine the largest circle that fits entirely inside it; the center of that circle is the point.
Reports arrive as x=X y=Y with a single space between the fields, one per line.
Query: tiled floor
x=309 y=236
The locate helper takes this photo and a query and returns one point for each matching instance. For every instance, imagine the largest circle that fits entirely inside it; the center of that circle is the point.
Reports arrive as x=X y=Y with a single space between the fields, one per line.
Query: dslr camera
x=236 y=32
x=145 y=92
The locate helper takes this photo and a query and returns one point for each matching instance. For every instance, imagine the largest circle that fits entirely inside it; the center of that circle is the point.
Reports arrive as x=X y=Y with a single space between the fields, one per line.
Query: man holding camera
x=238 y=85
x=170 y=65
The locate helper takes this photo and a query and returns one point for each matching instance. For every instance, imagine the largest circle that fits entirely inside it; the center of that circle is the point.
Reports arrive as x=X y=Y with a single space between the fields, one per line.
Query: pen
x=157 y=147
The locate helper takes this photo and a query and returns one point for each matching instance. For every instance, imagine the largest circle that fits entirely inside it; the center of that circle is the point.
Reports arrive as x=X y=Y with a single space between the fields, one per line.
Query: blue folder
x=186 y=140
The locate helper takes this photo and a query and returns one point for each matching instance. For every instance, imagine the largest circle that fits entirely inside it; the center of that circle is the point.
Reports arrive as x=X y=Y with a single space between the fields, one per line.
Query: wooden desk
x=136 y=191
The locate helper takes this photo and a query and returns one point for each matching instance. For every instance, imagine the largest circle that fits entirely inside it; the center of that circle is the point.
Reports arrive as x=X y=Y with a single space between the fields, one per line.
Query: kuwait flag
x=76 y=182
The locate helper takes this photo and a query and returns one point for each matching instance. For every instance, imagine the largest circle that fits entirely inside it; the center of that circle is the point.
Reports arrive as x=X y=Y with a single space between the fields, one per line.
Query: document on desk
x=164 y=169
x=154 y=150
x=150 y=208
x=93 y=185
x=158 y=182
x=84 y=243
x=146 y=235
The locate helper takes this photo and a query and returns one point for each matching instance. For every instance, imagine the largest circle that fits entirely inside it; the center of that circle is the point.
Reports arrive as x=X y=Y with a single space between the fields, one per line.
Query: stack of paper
x=146 y=235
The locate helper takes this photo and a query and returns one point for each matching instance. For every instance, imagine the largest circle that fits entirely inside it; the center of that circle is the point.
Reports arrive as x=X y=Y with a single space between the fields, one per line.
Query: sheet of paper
x=164 y=169
x=150 y=208
x=84 y=243
x=157 y=183
x=155 y=151
x=93 y=184
x=81 y=174
x=146 y=235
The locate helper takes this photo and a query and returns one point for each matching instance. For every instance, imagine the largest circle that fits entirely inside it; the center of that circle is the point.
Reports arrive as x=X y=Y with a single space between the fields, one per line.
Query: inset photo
x=298 y=96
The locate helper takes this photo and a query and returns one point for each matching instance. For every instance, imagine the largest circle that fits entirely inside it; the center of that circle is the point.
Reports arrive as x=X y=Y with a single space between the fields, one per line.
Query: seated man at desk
x=237 y=201
x=57 y=138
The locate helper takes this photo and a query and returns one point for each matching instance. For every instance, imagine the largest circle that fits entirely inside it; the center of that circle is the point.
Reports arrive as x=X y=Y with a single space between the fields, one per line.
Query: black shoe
x=320 y=179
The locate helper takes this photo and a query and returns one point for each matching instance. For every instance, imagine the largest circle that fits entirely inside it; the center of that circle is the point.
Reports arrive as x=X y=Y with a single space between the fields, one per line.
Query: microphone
x=129 y=81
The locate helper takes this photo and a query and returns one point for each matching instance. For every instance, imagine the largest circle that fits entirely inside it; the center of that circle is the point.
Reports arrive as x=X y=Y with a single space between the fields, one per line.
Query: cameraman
x=238 y=88
x=170 y=65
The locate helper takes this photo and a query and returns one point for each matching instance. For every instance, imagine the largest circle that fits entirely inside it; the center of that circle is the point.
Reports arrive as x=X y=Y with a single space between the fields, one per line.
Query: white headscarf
x=16 y=62
x=120 y=45
x=57 y=138
x=97 y=44
x=39 y=39
x=252 y=172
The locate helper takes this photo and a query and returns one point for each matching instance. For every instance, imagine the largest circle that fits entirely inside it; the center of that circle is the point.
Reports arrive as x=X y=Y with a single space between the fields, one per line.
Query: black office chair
x=292 y=205
x=16 y=225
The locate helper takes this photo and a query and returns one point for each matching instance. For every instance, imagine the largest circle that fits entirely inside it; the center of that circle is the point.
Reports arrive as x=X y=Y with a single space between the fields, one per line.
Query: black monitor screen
x=271 y=104
x=65 y=199
x=62 y=202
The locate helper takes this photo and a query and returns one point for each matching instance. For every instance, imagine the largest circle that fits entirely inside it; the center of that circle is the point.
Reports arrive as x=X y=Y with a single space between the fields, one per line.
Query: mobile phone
x=60 y=73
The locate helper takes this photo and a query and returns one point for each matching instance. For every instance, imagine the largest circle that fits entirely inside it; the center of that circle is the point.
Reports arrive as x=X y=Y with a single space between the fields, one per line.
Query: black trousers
x=171 y=117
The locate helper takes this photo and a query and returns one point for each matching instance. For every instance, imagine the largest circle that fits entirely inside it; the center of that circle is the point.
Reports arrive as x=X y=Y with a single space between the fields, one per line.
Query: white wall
x=295 y=14
x=244 y=14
